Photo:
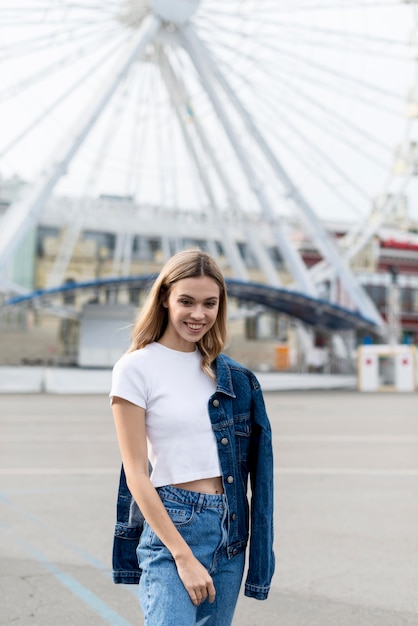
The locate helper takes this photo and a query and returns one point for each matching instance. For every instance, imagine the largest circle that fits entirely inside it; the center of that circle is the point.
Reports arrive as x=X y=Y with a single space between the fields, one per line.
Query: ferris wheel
x=271 y=108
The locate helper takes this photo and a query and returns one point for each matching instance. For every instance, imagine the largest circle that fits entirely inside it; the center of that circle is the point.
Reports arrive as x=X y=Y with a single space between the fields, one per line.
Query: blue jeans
x=201 y=520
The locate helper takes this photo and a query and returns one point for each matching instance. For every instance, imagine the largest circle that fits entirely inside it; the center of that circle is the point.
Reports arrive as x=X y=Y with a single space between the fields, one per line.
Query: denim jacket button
x=224 y=441
x=230 y=480
x=234 y=517
x=215 y=402
x=234 y=552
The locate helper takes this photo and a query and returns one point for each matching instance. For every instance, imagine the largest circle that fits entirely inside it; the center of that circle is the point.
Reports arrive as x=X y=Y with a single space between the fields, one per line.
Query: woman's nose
x=198 y=312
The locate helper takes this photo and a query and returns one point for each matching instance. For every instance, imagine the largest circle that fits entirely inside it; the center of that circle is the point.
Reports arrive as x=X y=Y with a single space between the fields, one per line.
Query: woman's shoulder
x=136 y=358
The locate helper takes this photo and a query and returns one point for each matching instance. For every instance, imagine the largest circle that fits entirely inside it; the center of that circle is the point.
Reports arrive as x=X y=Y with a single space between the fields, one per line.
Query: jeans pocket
x=180 y=515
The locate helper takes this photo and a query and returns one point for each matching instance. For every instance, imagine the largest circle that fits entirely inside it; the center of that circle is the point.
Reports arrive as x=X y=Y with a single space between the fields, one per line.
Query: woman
x=197 y=420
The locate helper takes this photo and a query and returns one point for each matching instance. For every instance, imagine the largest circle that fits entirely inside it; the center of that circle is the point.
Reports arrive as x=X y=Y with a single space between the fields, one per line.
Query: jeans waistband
x=194 y=498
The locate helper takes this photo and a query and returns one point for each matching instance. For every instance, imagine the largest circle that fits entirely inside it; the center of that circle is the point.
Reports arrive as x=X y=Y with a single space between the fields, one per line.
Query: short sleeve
x=128 y=380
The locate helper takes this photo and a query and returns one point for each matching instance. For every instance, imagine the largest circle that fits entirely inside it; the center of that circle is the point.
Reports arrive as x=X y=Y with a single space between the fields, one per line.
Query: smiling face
x=193 y=305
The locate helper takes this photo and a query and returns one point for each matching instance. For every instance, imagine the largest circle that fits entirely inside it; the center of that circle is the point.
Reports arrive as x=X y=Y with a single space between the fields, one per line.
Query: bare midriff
x=203 y=485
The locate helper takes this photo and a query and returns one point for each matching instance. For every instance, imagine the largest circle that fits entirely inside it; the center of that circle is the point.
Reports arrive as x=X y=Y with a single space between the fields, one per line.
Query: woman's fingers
x=196 y=579
x=211 y=593
x=208 y=592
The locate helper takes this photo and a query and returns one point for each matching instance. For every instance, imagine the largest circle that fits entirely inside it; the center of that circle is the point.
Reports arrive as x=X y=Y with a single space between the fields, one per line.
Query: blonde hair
x=153 y=317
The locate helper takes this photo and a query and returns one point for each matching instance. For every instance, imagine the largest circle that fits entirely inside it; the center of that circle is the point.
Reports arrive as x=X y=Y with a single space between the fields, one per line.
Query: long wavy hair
x=153 y=317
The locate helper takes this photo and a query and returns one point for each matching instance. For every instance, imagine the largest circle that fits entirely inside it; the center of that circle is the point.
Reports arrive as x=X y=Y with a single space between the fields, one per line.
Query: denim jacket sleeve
x=238 y=413
x=261 y=556
x=129 y=525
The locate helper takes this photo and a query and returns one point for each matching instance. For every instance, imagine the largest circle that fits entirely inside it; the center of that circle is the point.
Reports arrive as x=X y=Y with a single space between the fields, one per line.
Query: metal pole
x=394 y=307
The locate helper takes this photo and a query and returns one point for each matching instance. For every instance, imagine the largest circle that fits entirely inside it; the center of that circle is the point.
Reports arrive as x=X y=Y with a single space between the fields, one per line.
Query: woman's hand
x=196 y=579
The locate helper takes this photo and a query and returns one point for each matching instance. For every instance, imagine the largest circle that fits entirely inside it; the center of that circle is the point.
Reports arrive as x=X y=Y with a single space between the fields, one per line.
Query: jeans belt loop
x=200 y=502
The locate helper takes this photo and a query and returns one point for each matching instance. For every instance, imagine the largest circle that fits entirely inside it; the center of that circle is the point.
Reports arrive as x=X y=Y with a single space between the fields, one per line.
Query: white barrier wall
x=23 y=379
x=54 y=380
x=386 y=368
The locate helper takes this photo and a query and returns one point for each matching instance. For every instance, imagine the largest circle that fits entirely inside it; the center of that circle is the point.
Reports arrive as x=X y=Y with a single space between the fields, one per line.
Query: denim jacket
x=243 y=436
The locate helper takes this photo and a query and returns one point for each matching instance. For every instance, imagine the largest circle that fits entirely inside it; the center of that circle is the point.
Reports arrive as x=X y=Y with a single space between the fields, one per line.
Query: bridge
x=315 y=312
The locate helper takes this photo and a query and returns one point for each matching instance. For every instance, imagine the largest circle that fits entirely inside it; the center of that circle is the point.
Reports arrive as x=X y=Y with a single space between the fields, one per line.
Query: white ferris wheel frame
x=22 y=215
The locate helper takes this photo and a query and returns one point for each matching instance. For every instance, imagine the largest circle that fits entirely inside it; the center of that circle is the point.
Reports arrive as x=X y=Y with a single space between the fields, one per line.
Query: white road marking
x=303 y=471
x=346 y=471
x=61 y=439
x=396 y=439
x=58 y=471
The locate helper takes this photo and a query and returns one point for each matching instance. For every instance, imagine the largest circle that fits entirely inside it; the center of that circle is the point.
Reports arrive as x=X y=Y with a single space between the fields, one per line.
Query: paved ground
x=346 y=512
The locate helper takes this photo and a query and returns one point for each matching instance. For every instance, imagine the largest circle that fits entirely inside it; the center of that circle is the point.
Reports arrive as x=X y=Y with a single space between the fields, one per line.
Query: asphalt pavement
x=346 y=488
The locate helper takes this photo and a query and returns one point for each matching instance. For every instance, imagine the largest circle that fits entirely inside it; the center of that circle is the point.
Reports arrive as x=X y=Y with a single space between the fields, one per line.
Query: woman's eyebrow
x=185 y=295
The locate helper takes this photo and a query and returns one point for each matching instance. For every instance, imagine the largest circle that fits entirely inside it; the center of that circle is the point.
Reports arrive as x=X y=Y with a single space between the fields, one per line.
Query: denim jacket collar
x=223 y=377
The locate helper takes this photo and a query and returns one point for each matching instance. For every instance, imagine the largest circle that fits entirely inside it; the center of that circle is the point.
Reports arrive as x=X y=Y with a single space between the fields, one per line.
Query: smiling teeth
x=195 y=326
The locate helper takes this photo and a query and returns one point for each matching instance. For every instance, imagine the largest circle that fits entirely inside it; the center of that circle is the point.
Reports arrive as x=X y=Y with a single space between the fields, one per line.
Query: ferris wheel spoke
x=363 y=50
x=50 y=109
x=346 y=80
x=270 y=69
x=278 y=99
x=295 y=7
x=340 y=120
x=318 y=172
x=137 y=140
x=21 y=25
x=367 y=39
x=343 y=90
x=313 y=145
x=50 y=70
x=342 y=76
x=44 y=8
x=141 y=139
x=77 y=84
x=326 y=159
x=293 y=90
x=307 y=156
x=20 y=50
x=342 y=135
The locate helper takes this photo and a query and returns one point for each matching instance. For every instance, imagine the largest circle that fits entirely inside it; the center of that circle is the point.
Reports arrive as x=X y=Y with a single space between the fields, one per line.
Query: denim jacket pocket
x=242 y=427
x=125 y=563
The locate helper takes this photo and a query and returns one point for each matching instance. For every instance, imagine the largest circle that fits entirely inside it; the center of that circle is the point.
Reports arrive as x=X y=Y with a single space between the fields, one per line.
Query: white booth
x=105 y=334
x=386 y=368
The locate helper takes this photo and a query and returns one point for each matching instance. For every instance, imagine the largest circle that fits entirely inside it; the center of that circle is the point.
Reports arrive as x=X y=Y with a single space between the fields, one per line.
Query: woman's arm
x=131 y=433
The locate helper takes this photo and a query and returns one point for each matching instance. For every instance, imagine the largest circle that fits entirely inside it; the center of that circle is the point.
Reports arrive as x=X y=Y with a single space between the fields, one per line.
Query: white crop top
x=174 y=391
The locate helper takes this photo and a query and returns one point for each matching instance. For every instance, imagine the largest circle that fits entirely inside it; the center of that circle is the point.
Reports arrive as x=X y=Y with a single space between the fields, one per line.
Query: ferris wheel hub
x=176 y=11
